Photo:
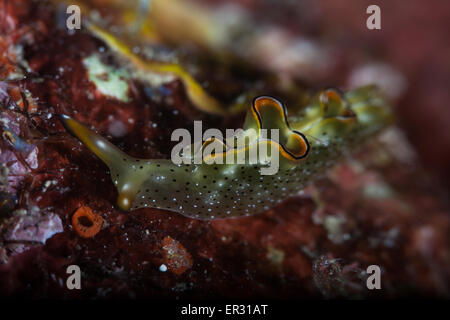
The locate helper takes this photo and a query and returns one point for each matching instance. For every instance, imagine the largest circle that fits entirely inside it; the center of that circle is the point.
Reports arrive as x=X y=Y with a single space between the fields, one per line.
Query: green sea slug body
x=309 y=142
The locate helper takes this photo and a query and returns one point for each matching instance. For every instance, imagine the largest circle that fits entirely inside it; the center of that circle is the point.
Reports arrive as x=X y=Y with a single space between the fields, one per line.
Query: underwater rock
x=31 y=226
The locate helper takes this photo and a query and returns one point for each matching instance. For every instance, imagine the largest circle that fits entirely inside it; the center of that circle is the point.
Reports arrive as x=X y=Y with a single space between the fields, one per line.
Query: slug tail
x=101 y=147
x=119 y=163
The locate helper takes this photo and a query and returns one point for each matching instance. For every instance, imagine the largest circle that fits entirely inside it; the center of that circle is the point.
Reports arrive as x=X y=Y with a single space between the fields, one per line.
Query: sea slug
x=312 y=140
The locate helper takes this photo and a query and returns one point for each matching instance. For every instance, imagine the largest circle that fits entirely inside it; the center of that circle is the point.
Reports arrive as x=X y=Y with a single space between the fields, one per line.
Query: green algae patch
x=110 y=81
x=378 y=190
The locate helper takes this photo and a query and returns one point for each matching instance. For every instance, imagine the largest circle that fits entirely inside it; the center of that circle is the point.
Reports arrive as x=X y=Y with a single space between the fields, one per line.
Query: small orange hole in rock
x=86 y=223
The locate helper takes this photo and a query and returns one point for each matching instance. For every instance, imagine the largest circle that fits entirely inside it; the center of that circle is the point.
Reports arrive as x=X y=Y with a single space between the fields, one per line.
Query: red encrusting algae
x=178 y=259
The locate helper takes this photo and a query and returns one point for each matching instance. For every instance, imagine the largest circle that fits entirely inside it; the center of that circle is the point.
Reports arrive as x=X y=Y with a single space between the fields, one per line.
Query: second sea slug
x=330 y=125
